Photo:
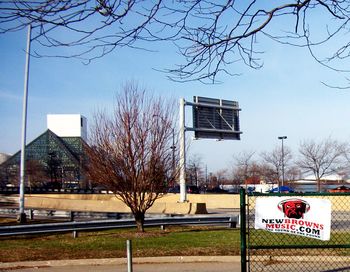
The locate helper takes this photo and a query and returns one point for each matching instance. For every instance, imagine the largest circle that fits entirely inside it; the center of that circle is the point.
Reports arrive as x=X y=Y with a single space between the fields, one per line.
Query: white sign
x=309 y=217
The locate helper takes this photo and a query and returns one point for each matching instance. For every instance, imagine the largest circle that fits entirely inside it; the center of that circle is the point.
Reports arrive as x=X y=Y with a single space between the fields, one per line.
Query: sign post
x=182 y=161
x=212 y=119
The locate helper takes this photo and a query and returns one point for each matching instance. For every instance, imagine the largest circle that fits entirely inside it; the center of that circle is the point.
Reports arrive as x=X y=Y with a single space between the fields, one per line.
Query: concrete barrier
x=212 y=201
x=197 y=203
x=108 y=203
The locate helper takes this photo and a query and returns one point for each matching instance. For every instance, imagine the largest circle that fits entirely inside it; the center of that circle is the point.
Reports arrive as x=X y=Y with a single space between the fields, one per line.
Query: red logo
x=294 y=208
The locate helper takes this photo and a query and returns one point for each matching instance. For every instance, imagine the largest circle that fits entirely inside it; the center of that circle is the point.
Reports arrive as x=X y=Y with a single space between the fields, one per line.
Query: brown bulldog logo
x=294 y=208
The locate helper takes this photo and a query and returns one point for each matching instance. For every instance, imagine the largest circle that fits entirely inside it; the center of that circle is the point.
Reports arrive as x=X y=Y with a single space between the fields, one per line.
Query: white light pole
x=22 y=216
x=182 y=161
x=282 y=138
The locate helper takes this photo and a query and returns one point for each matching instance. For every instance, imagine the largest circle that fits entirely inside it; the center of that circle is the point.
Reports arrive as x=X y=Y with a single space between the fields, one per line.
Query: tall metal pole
x=182 y=161
x=282 y=138
x=22 y=216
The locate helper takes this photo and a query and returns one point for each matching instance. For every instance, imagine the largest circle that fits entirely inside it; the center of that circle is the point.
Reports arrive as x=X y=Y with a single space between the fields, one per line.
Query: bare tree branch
x=210 y=35
x=276 y=159
x=322 y=158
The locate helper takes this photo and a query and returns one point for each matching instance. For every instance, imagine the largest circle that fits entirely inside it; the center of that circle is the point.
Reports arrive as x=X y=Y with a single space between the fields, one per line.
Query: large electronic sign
x=215 y=118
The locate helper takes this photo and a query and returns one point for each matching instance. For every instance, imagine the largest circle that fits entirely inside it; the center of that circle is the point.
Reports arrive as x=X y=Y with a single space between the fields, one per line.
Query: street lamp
x=282 y=138
x=22 y=215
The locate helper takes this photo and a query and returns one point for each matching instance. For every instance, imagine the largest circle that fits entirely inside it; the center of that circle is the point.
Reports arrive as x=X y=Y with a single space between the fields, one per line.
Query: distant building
x=257 y=184
x=68 y=125
x=309 y=183
x=4 y=157
x=55 y=158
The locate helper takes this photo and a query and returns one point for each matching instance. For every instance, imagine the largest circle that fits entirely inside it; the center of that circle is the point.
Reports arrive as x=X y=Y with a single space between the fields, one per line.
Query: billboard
x=308 y=217
x=215 y=118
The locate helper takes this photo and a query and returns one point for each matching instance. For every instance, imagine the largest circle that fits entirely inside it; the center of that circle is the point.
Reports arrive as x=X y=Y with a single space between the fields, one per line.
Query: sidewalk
x=150 y=264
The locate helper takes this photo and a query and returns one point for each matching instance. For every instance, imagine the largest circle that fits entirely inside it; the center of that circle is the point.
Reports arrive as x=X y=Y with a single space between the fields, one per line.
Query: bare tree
x=322 y=158
x=276 y=159
x=195 y=170
x=292 y=173
x=217 y=179
x=210 y=35
x=266 y=172
x=221 y=176
x=243 y=166
x=130 y=152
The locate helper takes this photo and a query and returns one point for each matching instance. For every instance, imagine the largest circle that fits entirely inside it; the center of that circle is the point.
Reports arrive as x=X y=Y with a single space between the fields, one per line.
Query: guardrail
x=39 y=190
x=62 y=214
x=231 y=221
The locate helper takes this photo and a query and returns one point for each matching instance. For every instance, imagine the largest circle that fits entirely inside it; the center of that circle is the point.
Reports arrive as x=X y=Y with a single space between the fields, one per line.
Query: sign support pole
x=213 y=123
x=183 y=196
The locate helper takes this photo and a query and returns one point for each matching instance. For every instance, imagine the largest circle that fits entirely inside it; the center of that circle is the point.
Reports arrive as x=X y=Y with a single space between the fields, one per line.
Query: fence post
x=31 y=214
x=243 y=230
x=71 y=216
x=232 y=223
x=129 y=254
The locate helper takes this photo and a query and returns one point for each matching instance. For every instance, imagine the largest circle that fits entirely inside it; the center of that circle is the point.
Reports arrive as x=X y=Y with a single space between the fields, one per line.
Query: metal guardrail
x=231 y=221
x=39 y=190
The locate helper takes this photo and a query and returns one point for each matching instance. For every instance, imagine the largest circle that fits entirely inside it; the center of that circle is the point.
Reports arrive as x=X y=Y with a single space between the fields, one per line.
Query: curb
x=121 y=261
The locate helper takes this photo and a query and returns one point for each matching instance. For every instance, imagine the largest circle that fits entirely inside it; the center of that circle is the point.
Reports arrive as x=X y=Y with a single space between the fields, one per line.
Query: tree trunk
x=319 y=185
x=318 y=180
x=140 y=220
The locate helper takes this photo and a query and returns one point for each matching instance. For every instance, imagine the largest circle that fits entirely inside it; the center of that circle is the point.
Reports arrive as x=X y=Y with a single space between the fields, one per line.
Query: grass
x=174 y=241
x=111 y=244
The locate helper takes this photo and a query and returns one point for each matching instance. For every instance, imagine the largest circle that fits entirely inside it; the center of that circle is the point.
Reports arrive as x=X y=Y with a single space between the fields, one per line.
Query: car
x=216 y=190
x=282 y=189
x=190 y=189
x=174 y=190
x=340 y=189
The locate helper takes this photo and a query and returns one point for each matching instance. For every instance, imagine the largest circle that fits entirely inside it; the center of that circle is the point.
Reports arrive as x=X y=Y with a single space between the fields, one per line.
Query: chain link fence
x=268 y=251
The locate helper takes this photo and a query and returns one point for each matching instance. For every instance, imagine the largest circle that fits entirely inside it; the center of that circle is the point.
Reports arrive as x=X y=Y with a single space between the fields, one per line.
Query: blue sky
x=285 y=97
